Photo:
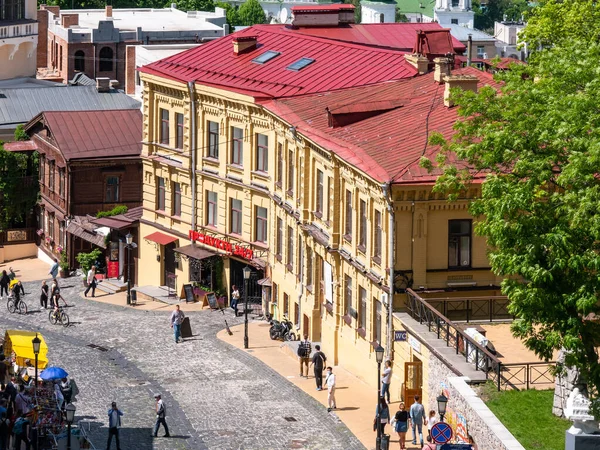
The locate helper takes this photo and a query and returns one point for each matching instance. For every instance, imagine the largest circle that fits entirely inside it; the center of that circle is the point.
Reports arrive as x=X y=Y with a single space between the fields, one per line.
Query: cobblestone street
x=218 y=397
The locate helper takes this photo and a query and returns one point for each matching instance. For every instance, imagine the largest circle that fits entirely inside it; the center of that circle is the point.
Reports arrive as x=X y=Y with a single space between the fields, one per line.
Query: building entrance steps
x=158 y=293
x=446 y=354
x=111 y=286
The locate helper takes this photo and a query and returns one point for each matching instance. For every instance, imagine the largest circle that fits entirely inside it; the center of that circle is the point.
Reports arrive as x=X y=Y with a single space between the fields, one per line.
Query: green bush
x=64 y=261
x=119 y=209
x=87 y=260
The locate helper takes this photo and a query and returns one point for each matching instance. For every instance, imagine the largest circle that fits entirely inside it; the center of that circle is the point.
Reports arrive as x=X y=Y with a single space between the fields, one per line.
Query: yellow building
x=309 y=179
x=18 y=38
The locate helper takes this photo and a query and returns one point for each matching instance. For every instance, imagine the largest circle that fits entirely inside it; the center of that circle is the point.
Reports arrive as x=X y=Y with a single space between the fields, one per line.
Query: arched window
x=79 y=61
x=106 y=59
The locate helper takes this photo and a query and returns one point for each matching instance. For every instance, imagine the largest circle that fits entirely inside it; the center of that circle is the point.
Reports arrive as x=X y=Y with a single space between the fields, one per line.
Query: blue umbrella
x=53 y=373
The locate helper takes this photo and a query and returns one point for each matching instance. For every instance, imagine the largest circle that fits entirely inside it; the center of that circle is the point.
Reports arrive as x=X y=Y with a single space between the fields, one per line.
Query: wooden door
x=413 y=381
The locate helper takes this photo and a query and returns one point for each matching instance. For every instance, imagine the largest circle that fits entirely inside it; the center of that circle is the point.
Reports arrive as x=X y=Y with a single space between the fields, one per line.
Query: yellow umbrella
x=19 y=342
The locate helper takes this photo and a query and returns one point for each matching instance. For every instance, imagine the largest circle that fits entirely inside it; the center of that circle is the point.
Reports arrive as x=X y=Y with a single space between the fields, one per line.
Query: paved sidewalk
x=355 y=399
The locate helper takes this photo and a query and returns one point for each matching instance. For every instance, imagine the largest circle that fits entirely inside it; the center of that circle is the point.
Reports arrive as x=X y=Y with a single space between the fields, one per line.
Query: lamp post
x=36 y=341
x=129 y=240
x=70 y=413
x=442 y=401
x=247 y=272
x=379 y=352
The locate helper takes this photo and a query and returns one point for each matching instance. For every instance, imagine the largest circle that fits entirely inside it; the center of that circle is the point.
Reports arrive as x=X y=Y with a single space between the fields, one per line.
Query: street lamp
x=442 y=401
x=129 y=240
x=379 y=352
x=247 y=271
x=70 y=413
x=36 y=341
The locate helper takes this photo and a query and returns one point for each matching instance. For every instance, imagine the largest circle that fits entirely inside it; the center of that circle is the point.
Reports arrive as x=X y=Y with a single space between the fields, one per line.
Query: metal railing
x=505 y=376
x=468 y=309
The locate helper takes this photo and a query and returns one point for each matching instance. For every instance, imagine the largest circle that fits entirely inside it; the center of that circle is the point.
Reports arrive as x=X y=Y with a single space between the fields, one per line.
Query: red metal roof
x=96 y=134
x=398 y=36
x=20 y=146
x=160 y=238
x=333 y=7
x=389 y=145
x=337 y=64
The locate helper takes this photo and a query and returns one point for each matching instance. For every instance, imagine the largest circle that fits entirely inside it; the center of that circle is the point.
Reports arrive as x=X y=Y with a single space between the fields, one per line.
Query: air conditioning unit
x=384 y=299
x=485 y=56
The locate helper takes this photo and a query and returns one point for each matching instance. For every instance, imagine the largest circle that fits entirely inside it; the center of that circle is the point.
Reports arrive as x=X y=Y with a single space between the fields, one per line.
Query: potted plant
x=87 y=260
x=63 y=264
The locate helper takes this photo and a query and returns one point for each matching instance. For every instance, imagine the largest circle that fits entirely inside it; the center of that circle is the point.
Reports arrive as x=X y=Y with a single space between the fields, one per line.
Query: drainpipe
x=469 y=48
x=387 y=194
x=193 y=150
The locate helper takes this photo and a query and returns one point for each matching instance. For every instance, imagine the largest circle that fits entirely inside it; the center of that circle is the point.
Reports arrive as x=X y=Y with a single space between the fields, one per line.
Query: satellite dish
x=283 y=15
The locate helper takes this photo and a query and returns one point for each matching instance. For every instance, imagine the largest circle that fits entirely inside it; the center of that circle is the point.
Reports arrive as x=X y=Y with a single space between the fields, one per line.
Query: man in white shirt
x=161 y=413
x=330 y=381
x=91 y=281
x=386 y=379
x=177 y=317
x=114 y=423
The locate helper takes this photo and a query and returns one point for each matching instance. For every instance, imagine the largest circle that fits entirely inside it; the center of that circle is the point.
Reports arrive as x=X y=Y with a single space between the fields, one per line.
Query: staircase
x=111 y=286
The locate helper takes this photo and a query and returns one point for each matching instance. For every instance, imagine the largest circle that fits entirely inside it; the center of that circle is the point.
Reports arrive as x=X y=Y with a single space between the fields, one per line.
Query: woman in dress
x=401 y=421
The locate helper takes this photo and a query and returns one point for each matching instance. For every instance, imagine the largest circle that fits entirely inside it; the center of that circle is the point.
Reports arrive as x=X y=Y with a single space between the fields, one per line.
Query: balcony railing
x=505 y=376
x=470 y=309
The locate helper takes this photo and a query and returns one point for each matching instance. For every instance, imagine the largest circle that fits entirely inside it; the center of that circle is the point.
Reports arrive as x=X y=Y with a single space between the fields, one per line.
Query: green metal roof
x=416 y=6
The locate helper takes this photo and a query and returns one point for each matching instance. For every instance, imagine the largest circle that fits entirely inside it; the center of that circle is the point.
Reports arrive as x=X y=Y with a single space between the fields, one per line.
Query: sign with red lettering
x=234 y=249
x=113 y=269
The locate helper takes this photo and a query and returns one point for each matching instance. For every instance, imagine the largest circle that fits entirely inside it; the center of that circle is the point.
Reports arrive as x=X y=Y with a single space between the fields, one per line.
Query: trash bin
x=133 y=297
x=385 y=442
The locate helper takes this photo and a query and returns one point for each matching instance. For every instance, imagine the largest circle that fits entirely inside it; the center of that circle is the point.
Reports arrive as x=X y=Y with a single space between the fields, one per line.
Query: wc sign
x=399 y=336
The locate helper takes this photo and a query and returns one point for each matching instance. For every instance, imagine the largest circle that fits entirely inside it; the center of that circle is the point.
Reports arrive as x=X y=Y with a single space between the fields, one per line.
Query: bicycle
x=58 y=315
x=13 y=306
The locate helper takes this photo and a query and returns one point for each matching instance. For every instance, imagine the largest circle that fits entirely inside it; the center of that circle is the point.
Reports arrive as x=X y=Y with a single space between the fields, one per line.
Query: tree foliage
x=196 y=5
x=251 y=13
x=18 y=187
x=20 y=134
x=231 y=14
x=538 y=142
x=495 y=10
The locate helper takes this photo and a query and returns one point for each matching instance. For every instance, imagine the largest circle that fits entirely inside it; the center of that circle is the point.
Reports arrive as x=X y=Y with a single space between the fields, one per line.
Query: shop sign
x=399 y=336
x=414 y=343
x=220 y=244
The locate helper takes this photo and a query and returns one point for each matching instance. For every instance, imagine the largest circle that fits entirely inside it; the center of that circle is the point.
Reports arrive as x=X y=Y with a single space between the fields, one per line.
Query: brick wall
x=42 y=47
x=130 y=70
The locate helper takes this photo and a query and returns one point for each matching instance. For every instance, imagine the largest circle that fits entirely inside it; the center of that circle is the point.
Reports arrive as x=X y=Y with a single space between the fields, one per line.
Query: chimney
x=419 y=62
x=442 y=69
x=244 y=44
x=103 y=84
x=69 y=20
x=465 y=82
x=55 y=10
x=108 y=12
x=323 y=15
x=469 y=49
x=114 y=84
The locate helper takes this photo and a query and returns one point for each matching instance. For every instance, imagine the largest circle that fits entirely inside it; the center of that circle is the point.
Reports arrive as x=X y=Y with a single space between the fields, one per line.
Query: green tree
x=231 y=14
x=251 y=13
x=196 y=5
x=399 y=16
x=20 y=134
x=539 y=145
x=19 y=187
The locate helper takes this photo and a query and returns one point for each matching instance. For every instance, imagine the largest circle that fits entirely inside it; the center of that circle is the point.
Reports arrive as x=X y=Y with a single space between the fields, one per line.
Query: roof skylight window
x=265 y=57
x=300 y=64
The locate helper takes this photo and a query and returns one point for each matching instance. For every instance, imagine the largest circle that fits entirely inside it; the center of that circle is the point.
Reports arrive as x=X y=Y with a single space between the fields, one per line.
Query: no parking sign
x=441 y=433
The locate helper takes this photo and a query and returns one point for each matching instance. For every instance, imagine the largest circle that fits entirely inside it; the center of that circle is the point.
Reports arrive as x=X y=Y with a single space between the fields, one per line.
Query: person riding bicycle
x=17 y=290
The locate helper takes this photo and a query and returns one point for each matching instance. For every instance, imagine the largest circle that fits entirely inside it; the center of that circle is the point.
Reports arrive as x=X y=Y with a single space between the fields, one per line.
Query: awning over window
x=81 y=230
x=193 y=251
x=160 y=238
x=265 y=282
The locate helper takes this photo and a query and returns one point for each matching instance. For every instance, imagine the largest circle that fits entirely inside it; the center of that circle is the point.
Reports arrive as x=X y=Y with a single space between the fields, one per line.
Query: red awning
x=160 y=238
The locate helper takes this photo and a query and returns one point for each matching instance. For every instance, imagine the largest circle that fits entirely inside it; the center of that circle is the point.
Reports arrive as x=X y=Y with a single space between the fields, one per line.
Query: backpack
x=303 y=350
x=18 y=426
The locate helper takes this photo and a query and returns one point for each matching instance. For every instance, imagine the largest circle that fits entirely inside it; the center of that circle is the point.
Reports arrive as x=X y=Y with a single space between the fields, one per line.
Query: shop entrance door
x=236 y=276
x=413 y=381
x=170 y=265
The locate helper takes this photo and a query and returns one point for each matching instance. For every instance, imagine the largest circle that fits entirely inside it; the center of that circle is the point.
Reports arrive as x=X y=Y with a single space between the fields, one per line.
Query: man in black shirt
x=318 y=361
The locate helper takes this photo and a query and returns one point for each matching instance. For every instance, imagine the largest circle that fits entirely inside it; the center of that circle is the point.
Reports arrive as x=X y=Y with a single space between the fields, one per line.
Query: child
x=431 y=421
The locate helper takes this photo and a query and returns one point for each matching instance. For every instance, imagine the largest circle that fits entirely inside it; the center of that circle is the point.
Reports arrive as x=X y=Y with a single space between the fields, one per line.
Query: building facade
x=18 y=38
x=283 y=184
x=94 y=41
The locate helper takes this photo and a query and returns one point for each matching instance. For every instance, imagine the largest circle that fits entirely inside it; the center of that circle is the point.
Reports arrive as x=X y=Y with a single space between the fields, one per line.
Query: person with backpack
x=318 y=362
x=417 y=420
x=114 y=423
x=304 y=350
x=20 y=432
x=161 y=413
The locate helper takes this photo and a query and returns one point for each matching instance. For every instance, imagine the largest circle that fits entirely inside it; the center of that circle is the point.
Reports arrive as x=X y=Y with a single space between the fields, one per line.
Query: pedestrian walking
x=4 y=282
x=382 y=415
x=66 y=389
x=161 y=413
x=21 y=432
x=60 y=399
x=3 y=370
x=401 y=424
x=417 y=420
x=318 y=362
x=386 y=379
x=431 y=421
x=114 y=423
x=44 y=295
x=91 y=281
x=11 y=274
x=304 y=349
x=330 y=382
x=235 y=296
x=177 y=317
x=4 y=431
x=22 y=401
x=54 y=269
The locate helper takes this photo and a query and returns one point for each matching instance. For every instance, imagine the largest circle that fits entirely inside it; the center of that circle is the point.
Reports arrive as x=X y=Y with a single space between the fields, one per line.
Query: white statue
x=578 y=410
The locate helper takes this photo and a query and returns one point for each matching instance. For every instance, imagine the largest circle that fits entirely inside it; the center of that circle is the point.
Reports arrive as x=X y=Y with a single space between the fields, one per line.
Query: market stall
x=18 y=348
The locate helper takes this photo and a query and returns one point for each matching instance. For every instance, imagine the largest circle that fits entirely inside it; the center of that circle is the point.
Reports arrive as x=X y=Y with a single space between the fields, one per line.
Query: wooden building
x=89 y=162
